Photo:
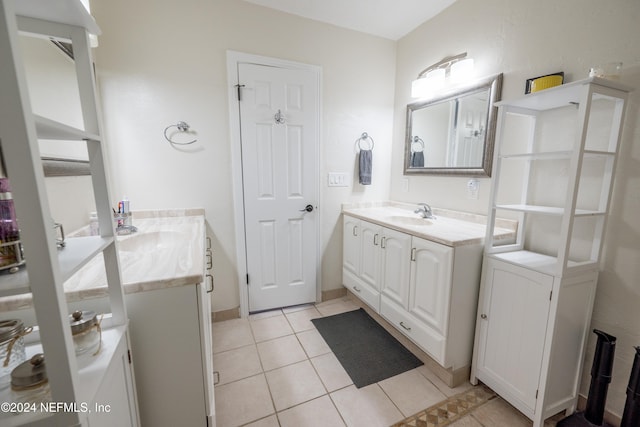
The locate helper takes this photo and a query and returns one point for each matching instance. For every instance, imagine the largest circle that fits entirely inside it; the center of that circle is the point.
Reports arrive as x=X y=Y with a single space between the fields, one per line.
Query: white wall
x=163 y=61
x=528 y=39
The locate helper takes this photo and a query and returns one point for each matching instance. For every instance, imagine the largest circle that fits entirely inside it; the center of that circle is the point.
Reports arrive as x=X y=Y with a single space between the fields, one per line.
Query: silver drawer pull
x=355 y=288
x=355 y=230
x=407 y=328
x=210 y=280
x=216 y=377
x=375 y=240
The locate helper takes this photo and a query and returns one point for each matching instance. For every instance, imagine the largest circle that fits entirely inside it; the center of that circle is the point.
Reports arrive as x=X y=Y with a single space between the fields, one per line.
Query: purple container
x=8 y=226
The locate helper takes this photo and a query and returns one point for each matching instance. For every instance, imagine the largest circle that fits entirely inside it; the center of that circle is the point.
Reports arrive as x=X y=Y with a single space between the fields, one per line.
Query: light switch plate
x=337 y=179
x=473 y=187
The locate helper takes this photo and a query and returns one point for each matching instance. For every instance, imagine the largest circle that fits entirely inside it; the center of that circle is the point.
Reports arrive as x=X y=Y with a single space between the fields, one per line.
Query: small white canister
x=12 y=352
x=87 y=335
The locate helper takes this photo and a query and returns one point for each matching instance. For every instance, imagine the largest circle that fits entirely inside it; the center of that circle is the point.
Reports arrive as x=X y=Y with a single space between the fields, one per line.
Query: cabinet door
x=430 y=284
x=514 y=318
x=371 y=236
x=351 y=245
x=396 y=256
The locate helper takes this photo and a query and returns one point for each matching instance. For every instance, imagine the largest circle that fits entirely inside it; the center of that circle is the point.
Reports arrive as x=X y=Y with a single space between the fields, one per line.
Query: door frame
x=233 y=59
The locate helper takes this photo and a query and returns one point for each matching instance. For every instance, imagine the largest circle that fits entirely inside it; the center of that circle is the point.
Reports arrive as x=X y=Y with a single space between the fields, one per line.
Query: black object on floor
x=364 y=348
x=631 y=415
x=600 y=379
x=577 y=420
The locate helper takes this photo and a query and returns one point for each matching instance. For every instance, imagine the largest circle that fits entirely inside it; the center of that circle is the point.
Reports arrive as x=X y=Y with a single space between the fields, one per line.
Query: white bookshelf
x=71 y=378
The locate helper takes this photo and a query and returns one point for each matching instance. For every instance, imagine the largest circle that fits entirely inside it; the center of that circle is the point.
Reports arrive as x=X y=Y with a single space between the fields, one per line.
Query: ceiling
x=391 y=19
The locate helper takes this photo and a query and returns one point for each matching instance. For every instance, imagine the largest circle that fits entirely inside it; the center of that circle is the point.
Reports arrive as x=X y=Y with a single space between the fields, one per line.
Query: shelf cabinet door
x=514 y=319
x=430 y=284
x=396 y=252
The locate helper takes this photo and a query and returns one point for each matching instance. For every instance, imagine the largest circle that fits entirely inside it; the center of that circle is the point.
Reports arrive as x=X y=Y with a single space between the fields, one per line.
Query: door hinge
x=129 y=356
x=247 y=279
x=239 y=88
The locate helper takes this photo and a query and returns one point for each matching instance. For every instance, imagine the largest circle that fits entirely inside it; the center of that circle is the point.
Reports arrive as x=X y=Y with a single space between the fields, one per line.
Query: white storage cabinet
x=108 y=379
x=555 y=159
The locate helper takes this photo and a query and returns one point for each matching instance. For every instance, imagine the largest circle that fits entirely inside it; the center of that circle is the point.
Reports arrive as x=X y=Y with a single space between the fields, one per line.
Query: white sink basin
x=152 y=241
x=410 y=220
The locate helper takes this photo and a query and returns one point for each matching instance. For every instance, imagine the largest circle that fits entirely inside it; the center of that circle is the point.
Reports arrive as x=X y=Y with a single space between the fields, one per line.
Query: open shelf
x=70 y=13
x=546 y=210
x=560 y=96
x=77 y=252
x=91 y=373
x=539 y=262
x=50 y=129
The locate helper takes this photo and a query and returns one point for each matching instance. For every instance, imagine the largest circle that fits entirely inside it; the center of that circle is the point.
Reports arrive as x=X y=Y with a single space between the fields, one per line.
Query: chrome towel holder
x=365 y=137
x=182 y=127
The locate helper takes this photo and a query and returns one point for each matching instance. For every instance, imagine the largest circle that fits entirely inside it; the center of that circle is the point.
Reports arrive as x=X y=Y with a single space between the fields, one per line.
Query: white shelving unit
x=555 y=161
x=47 y=268
x=579 y=154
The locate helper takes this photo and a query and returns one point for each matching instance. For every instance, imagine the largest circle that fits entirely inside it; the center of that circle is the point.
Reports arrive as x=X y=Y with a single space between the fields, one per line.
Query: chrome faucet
x=425 y=211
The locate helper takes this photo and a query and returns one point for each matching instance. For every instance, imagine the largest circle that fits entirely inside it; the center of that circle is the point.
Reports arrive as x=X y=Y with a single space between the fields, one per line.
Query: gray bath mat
x=364 y=348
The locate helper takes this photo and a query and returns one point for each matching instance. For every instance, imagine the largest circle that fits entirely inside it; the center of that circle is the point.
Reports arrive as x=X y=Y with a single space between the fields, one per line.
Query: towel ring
x=417 y=140
x=182 y=127
x=364 y=137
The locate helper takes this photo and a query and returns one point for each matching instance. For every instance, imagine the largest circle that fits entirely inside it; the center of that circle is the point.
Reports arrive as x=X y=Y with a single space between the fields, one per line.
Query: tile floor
x=276 y=370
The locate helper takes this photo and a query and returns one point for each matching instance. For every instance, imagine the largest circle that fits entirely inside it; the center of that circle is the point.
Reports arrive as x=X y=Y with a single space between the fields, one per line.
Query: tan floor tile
x=265 y=314
x=243 y=401
x=271 y=421
x=231 y=334
x=294 y=384
x=295 y=308
x=448 y=391
x=499 y=413
x=366 y=407
x=329 y=308
x=280 y=352
x=301 y=320
x=331 y=372
x=319 y=412
x=411 y=392
x=313 y=343
x=237 y=364
x=466 y=421
x=270 y=328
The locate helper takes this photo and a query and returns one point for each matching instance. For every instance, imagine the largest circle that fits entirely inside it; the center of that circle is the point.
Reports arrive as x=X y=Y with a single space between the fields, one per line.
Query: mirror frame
x=494 y=85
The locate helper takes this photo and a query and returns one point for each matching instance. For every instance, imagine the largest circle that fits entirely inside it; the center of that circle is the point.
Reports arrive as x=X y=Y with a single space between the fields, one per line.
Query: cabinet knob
x=483 y=316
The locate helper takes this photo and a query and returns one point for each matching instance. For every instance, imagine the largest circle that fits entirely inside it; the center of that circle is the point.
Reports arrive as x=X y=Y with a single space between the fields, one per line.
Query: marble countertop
x=451 y=228
x=166 y=251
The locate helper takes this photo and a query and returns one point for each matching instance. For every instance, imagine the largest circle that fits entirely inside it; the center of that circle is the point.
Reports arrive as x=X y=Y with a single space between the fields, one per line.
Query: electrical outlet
x=337 y=179
x=473 y=187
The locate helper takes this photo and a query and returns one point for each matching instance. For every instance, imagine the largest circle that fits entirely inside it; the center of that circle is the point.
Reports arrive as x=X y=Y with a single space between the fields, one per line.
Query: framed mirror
x=453 y=133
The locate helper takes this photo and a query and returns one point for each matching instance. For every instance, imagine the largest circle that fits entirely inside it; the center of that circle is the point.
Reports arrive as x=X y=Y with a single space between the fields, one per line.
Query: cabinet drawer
x=360 y=289
x=423 y=336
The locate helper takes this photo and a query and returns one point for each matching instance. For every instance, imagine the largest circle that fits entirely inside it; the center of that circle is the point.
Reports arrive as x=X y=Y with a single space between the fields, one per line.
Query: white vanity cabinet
x=426 y=290
x=361 y=265
x=560 y=147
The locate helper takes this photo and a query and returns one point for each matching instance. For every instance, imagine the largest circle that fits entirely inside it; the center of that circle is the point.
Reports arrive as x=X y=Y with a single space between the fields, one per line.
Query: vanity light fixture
x=452 y=69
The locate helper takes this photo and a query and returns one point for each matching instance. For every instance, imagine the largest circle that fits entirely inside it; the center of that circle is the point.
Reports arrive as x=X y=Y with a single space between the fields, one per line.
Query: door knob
x=308 y=208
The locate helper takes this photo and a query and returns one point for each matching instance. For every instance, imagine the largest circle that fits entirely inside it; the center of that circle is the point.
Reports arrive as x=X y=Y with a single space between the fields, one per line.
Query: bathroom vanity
x=166 y=292
x=421 y=275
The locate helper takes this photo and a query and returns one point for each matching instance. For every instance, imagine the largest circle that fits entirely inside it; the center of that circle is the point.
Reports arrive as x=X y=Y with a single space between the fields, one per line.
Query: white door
x=279 y=132
x=513 y=330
